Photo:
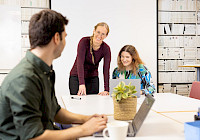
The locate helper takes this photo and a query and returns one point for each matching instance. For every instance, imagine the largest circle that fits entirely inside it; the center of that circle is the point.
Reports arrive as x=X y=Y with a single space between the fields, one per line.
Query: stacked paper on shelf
x=198 y=41
x=198 y=53
x=161 y=29
x=164 y=5
x=198 y=29
x=162 y=52
x=177 y=5
x=35 y=3
x=177 y=29
x=28 y=12
x=190 y=29
x=190 y=53
x=164 y=77
x=167 y=29
x=167 y=88
x=161 y=64
x=25 y=41
x=160 y=89
x=164 y=17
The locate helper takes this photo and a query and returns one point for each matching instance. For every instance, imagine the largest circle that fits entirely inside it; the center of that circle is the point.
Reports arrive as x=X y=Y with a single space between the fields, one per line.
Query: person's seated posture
x=130 y=66
x=28 y=105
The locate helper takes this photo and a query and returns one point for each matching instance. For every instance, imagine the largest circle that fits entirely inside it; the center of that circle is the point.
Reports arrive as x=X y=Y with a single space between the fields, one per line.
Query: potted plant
x=125 y=101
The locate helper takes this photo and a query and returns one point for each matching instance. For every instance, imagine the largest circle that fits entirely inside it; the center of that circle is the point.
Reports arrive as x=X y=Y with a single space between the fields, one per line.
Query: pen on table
x=77 y=98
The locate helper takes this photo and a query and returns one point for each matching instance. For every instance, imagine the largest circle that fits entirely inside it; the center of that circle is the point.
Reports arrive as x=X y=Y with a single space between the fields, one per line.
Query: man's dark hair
x=43 y=27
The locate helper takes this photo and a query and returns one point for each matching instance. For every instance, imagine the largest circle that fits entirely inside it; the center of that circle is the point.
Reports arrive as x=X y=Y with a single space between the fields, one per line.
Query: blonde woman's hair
x=91 y=38
x=136 y=60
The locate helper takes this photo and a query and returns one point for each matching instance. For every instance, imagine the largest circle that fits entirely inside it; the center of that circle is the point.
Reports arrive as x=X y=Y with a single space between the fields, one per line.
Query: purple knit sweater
x=84 y=67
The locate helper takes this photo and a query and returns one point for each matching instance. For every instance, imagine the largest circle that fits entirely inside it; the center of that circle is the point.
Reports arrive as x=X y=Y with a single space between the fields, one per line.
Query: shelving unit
x=178 y=44
x=28 y=8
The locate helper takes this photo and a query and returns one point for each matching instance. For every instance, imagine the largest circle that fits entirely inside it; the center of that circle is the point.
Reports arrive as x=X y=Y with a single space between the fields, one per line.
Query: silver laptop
x=136 y=82
x=139 y=118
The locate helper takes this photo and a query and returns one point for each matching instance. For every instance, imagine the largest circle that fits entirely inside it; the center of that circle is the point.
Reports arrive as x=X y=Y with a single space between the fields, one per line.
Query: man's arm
x=91 y=125
x=66 y=117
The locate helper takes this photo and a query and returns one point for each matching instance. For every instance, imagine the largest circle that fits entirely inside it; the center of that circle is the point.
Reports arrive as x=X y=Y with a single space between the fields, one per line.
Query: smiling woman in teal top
x=130 y=66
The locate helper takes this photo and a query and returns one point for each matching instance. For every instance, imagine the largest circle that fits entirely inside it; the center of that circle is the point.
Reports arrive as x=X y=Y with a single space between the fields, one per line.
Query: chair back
x=195 y=90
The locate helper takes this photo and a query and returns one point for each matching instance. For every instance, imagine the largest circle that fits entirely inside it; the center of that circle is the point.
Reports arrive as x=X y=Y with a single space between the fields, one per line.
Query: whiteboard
x=10 y=36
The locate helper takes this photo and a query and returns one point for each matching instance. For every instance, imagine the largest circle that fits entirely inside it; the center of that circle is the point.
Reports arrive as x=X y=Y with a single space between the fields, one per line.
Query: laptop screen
x=136 y=82
x=142 y=112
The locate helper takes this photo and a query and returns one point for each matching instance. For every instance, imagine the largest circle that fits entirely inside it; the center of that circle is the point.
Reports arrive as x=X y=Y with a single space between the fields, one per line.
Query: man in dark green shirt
x=28 y=106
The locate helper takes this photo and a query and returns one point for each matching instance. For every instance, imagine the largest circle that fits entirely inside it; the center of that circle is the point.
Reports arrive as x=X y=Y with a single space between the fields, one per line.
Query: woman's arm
x=81 y=52
x=146 y=80
x=106 y=67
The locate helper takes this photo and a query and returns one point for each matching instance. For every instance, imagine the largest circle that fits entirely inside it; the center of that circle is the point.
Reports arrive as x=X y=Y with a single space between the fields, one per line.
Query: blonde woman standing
x=91 y=50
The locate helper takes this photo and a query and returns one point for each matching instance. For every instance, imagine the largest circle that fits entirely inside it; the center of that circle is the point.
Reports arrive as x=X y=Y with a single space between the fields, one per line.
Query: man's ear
x=56 y=38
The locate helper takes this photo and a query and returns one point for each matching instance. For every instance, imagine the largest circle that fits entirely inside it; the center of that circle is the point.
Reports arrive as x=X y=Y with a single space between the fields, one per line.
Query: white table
x=155 y=127
x=165 y=120
x=89 y=104
x=180 y=117
x=169 y=102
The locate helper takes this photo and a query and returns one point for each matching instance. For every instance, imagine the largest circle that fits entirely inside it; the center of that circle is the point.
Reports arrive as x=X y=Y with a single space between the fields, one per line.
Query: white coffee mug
x=117 y=130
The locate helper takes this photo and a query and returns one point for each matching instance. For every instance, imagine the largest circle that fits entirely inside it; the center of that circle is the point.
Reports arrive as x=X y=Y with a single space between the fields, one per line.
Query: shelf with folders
x=176 y=88
x=26 y=13
x=178 y=35
x=177 y=17
x=35 y=3
x=178 y=5
x=177 y=53
x=169 y=65
x=28 y=8
x=184 y=29
x=36 y=7
x=176 y=77
x=176 y=70
x=178 y=41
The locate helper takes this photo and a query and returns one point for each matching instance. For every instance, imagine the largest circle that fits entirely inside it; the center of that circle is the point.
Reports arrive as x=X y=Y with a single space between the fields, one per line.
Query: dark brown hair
x=44 y=25
x=136 y=60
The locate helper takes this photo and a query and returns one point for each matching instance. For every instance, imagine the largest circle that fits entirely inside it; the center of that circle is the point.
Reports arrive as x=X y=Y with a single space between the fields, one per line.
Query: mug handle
x=104 y=133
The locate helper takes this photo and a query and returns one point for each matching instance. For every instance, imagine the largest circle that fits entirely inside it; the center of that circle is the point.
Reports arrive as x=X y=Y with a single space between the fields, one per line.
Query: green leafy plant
x=123 y=91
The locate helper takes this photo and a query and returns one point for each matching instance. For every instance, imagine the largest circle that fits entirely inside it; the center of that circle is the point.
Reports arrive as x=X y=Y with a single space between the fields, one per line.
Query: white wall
x=130 y=21
x=10 y=36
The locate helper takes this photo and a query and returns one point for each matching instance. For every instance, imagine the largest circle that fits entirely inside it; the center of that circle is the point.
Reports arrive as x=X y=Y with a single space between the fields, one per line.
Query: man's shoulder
x=23 y=72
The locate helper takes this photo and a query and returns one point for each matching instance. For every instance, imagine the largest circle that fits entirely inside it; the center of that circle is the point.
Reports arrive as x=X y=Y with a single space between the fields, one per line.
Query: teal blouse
x=143 y=74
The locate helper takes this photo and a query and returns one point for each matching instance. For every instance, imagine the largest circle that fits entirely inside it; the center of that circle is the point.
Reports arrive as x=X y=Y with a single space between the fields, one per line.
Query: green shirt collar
x=39 y=63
